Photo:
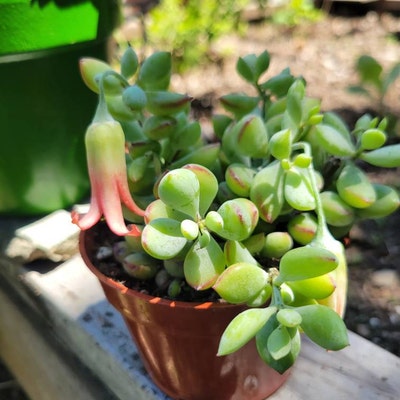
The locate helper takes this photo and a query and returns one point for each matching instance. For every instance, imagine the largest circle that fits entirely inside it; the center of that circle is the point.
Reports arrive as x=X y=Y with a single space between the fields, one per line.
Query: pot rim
x=83 y=235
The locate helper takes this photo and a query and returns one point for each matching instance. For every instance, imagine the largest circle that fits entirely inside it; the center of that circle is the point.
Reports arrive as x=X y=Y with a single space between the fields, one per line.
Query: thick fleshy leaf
x=319 y=287
x=387 y=201
x=158 y=209
x=155 y=71
x=298 y=189
x=334 y=141
x=187 y=136
x=208 y=185
x=167 y=103
x=129 y=62
x=90 y=70
x=220 y=123
x=203 y=265
x=279 y=343
x=236 y=252
x=204 y=155
x=180 y=189
x=293 y=114
x=262 y=297
x=239 y=104
x=239 y=178
x=267 y=191
x=190 y=229
x=372 y=139
x=241 y=282
x=386 y=157
x=252 y=137
x=289 y=317
x=354 y=187
x=323 y=326
x=243 y=328
x=234 y=220
x=337 y=211
x=306 y=262
x=280 y=144
x=262 y=337
x=162 y=238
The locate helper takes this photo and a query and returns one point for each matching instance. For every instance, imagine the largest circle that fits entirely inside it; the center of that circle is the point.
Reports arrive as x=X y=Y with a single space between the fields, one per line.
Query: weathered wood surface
x=69 y=303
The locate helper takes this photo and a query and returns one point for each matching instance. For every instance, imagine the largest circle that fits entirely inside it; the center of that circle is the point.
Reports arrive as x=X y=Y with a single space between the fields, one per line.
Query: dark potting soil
x=102 y=256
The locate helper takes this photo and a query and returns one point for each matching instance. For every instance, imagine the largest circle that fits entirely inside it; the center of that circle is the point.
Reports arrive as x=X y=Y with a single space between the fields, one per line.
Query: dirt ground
x=324 y=53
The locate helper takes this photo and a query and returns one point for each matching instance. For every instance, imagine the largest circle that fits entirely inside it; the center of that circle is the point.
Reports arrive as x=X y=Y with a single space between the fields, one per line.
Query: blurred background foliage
x=189 y=28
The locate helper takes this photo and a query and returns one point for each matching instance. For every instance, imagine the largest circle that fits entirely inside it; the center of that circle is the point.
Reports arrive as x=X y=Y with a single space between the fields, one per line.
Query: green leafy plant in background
x=375 y=82
x=295 y=12
x=252 y=218
x=188 y=29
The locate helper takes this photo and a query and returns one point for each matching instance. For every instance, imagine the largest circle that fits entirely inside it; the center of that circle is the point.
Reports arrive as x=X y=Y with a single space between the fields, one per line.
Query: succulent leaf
x=298 y=190
x=180 y=190
x=284 y=363
x=267 y=191
x=306 y=262
x=243 y=328
x=323 y=326
x=203 y=265
x=239 y=217
x=354 y=187
x=162 y=238
x=208 y=185
x=279 y=342
x=241 y=282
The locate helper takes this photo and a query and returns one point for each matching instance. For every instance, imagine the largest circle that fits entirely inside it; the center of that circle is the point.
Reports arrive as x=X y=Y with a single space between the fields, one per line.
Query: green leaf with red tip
x=267 y=191
x=306 y=262
x=238 y=218
x=241 y=282
x=334 y=141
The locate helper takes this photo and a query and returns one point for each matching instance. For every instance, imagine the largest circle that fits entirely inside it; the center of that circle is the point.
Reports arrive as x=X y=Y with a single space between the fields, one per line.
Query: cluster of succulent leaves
x=246 y=215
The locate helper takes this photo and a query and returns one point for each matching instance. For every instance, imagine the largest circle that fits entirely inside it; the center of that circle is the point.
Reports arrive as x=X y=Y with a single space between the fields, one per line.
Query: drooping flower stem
x=105 y=151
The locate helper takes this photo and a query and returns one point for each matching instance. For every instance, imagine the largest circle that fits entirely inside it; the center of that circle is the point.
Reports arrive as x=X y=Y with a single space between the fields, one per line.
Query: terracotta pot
x=178 y=342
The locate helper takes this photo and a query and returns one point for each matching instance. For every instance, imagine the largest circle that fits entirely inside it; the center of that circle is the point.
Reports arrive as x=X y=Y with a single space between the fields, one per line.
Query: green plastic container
x=44 y=106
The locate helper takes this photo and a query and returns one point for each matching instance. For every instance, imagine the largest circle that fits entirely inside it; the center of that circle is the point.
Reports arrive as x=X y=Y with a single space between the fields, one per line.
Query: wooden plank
x=361 y=371
x=42 y=370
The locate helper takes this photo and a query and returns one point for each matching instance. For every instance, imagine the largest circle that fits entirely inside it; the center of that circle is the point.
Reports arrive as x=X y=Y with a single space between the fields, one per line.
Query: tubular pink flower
x=105 y=150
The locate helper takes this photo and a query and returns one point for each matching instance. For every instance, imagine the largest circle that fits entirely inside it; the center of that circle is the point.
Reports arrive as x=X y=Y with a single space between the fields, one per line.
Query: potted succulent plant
x=247 y=223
